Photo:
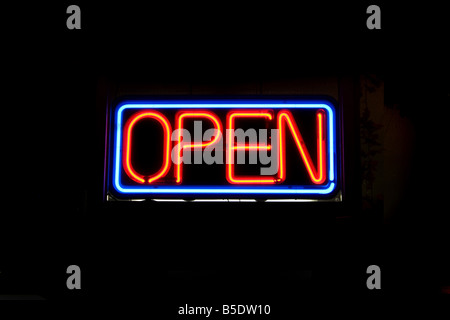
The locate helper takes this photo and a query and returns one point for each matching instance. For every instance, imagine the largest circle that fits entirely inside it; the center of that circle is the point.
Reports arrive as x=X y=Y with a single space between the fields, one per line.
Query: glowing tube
x=127 y=145
x=231 y=178
x=317 y=176
x=181 y=146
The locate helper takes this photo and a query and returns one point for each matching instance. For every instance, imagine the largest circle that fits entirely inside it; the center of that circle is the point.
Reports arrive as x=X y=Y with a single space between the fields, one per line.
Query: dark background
x=296 y=257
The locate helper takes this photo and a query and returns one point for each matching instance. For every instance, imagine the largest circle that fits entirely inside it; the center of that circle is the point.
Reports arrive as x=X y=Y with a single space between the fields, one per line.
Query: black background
x=53 y=151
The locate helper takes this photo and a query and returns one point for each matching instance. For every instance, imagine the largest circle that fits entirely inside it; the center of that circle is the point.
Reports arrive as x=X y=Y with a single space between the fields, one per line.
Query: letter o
x=127 y=138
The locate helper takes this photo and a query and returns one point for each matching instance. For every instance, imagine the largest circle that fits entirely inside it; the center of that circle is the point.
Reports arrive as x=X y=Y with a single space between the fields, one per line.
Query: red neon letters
x=231 y=147
x=284 y=122
x=317 y=176
x=181 y=146
x=127 y=138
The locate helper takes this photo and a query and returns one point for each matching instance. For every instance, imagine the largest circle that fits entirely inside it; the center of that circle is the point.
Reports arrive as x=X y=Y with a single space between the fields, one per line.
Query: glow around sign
x=267 y=149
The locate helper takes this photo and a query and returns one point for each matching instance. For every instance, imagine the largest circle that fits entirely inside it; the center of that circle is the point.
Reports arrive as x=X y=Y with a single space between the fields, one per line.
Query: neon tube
x=181 y=146
x=127 y=138
x=317 y=176
x=231 y=178
x=329 y=131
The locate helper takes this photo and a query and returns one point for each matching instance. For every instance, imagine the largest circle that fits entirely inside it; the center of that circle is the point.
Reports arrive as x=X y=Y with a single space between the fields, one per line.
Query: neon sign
x=271 y=149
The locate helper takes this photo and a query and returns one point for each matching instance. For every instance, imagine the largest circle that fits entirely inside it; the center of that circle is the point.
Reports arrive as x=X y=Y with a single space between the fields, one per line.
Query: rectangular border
x=227 y=190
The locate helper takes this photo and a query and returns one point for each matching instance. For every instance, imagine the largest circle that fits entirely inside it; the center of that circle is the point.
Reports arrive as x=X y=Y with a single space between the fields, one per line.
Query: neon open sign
x=267 y=149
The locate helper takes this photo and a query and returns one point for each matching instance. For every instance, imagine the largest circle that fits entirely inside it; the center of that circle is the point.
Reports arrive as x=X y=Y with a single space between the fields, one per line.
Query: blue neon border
x=230 y=190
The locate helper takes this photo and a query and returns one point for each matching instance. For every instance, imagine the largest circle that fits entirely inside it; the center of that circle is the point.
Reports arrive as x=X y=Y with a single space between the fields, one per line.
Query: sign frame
x=332 y=191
